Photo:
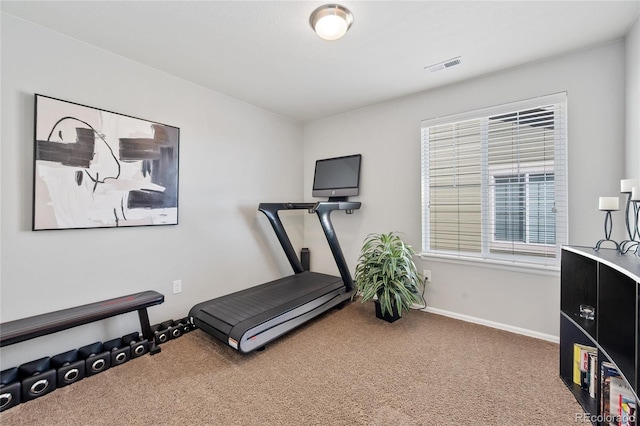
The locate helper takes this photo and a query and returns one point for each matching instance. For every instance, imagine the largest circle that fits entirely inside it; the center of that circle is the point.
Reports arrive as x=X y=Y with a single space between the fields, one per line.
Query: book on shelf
x=607 y=371
x=593 y=378
x=585 y=360
x=628 y=411
x=617 y=401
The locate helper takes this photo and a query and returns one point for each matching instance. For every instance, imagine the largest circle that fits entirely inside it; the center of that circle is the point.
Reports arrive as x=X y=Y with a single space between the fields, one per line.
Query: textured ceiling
x=265 y=53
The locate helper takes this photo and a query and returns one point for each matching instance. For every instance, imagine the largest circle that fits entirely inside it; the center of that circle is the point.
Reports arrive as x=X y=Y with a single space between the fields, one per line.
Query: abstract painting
x=99 y=169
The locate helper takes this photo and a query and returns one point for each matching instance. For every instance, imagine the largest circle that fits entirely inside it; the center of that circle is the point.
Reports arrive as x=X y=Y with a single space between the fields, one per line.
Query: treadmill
x=249 y=319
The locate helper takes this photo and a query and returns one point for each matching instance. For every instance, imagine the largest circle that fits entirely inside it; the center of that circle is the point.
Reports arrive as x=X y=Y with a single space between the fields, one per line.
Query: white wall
x=388 y=136
x=232 y=156
x=632 y=77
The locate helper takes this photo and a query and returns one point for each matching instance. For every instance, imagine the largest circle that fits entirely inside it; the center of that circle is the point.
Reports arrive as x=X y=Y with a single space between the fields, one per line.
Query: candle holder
x=631 y=223
x=636 y=244
x=634 y=198
x=587 y=312
x=608 y=225
x=632 y=229
x=608 y=204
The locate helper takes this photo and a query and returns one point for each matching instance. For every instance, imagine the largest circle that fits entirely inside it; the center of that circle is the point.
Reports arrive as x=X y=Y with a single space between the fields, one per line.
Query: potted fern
x=386 y=271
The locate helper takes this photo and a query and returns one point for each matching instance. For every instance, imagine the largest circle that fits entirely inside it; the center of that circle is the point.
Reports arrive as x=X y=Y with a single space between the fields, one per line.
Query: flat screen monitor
x=337 y=178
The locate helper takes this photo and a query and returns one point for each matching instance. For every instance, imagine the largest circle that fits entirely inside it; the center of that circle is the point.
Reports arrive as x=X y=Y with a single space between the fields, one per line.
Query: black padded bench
x=40 y=325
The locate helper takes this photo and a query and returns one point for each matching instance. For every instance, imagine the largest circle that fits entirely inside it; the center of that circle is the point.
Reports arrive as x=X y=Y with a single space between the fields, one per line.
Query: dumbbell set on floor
x=40 y=377
x=171 y=329
x=36 y=378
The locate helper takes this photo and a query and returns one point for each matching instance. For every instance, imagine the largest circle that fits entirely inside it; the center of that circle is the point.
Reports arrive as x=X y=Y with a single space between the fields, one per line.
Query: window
x=494 y=182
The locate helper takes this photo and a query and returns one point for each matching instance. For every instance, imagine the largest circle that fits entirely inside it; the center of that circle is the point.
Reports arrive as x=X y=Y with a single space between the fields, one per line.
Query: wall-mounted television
x=337 y=178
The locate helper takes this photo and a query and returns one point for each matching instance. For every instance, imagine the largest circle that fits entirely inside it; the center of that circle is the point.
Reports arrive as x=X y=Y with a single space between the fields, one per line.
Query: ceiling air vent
x=446 y=64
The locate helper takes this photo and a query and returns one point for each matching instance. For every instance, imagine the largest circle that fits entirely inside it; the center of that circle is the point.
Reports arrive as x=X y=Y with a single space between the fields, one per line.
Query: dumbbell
x=120 y=353
x=137 y=345
x=70 y=368
x=96 y=358
x=37 y=377
x=10 y=388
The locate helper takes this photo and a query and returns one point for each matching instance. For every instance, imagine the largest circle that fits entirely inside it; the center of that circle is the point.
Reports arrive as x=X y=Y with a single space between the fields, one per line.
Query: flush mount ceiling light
x=331 y=21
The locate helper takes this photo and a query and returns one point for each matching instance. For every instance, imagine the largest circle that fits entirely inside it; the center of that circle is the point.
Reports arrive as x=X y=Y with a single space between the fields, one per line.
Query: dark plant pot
x=386 y=316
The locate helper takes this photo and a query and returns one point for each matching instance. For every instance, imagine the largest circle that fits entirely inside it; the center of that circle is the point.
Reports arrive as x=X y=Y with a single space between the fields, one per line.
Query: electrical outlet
x=177 y=286
x=426 y=274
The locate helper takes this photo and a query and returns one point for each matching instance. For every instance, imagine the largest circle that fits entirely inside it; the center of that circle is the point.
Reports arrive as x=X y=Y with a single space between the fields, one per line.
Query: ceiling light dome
x=331 y=21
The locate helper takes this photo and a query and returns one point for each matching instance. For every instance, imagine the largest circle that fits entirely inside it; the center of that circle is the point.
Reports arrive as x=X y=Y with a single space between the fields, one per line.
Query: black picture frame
x=95 y=168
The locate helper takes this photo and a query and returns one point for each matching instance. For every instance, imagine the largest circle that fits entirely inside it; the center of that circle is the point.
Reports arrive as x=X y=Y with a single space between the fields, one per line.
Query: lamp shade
x=331 y=21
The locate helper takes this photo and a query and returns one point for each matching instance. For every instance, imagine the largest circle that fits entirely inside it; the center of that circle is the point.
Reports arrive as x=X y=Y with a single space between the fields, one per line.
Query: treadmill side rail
x=264 y=333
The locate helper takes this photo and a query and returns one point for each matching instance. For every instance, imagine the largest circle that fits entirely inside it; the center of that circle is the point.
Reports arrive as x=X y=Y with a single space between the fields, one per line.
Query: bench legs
x=146 y=331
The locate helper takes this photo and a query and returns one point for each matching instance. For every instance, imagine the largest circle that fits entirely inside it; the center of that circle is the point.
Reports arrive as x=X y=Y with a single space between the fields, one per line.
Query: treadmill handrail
x=271 y=211
x=323 y=209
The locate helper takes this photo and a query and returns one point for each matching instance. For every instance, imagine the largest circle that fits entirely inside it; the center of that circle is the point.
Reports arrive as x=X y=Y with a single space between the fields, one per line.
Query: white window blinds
x=494 y=182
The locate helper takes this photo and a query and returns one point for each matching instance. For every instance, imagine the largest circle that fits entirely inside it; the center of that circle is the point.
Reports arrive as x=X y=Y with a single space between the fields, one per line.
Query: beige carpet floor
x=344 y=368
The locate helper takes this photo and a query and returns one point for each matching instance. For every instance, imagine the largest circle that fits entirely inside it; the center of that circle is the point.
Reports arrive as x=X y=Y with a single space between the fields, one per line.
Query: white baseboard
x=493 y=324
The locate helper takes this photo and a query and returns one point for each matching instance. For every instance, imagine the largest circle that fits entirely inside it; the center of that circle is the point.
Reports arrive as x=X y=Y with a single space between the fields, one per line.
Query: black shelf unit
x=609 y=282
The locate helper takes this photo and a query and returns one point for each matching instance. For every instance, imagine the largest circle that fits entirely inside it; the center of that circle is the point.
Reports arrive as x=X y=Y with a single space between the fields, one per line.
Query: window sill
x=523 y=267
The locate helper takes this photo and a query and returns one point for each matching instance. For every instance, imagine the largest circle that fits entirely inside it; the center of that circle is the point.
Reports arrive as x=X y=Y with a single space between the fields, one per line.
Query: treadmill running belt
x=283 y=294
x=237 y=317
